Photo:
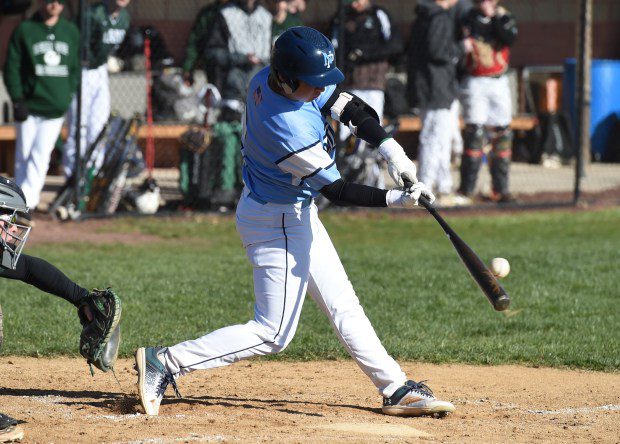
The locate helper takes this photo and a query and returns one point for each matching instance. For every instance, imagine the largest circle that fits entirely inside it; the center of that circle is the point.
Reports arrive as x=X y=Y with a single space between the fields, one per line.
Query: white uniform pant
x=457 y=137
x=375 y=98
x=486 y=101
x=95 y=113
x=34 y=143
x=290 y=253
x=436 y=149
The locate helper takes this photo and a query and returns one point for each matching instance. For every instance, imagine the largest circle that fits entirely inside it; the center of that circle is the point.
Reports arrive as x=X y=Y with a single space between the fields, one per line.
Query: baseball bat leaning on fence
x=101 y=182
x=485 y=279
x=115 y=190
x=65 y=204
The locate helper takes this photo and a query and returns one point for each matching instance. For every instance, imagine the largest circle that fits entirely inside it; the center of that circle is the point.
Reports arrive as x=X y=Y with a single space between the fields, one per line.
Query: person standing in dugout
x=99 y=311
x=432 y=89
x=489 y=31
x=288 y=149
x=370 y=41
x=108 y=23
x=40 y=74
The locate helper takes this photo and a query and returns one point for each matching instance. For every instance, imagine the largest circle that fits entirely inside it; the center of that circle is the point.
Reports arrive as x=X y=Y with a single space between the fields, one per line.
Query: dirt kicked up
x=58 y=401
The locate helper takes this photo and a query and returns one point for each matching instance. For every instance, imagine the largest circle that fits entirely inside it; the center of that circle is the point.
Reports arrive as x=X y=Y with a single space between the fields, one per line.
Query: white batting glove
x=409 y=198
x=399 y=165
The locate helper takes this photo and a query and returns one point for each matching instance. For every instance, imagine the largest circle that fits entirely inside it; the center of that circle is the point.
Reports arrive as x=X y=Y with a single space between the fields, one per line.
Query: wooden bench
x=166 y=138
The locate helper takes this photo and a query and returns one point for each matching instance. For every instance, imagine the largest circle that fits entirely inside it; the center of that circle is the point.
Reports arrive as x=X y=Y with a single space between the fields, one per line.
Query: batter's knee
x=275 y=337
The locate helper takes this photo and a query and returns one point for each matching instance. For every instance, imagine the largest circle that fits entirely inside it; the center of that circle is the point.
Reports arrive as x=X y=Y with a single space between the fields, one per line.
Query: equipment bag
x=210 y=166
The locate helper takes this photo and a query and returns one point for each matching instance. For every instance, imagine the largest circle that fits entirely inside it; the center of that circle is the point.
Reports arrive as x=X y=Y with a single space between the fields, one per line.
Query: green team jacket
x=42 y=66
x=106 y=33
x=198 y=36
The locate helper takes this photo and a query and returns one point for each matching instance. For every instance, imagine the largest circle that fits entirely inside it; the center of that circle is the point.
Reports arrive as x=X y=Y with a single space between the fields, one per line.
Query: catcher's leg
x=500 y=160
x=474 y=139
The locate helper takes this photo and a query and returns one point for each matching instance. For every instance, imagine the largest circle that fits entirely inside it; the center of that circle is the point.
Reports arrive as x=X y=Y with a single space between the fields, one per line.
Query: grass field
x=423 y=304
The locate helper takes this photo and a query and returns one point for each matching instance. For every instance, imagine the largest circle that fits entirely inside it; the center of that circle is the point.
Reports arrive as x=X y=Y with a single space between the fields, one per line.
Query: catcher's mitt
x=196 y=139
x=100 y=336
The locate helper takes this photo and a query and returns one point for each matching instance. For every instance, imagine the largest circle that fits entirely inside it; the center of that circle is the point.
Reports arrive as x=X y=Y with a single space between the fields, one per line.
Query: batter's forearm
x=348 y=193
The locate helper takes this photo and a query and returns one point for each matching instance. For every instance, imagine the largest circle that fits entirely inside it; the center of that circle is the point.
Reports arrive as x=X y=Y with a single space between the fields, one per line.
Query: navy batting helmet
x=303 y=53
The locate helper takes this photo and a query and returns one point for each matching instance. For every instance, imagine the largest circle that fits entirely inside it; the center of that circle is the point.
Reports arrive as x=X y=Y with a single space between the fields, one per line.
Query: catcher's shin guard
x=500 y=159
x=474 y=139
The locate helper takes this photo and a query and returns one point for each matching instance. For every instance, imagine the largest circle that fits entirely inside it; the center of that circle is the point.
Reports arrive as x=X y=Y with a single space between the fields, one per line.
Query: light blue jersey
x=287 y=146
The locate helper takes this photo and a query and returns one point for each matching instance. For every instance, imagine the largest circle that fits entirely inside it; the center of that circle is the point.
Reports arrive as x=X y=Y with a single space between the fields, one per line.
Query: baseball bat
x=485 y=279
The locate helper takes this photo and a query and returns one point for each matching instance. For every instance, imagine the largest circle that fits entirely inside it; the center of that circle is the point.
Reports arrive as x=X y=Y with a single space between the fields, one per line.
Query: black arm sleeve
x=361 y=116
x=45 y=277
x=349 y=193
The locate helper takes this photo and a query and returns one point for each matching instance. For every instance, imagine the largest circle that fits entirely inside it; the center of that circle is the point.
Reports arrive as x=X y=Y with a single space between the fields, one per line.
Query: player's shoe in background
x=9 y=430
x=415 y=399
x=153 y=379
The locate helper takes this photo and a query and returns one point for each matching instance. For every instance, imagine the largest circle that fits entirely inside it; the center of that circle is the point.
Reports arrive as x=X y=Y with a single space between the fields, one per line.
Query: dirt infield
x=255 y=401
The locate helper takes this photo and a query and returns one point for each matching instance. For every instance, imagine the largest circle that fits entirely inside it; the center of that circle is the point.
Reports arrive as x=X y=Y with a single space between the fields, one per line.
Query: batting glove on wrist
x=399 y=165
x=409 y=198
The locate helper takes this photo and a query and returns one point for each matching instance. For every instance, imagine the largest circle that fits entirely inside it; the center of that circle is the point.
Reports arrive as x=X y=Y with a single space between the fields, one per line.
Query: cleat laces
x=420 y=387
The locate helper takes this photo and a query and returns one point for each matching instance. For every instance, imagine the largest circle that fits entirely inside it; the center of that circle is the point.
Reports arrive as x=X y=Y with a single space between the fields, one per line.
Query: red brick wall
x=540 y=42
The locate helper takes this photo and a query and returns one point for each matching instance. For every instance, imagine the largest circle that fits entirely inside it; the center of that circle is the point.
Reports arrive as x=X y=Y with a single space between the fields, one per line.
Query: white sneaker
x=415 y=399
x=153 y=379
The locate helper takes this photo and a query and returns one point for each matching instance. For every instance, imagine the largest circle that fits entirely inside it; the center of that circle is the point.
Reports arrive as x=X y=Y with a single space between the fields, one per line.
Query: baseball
x=500 y=267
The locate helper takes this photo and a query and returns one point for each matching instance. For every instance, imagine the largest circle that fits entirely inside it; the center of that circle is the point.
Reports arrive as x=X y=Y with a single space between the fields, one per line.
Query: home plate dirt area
x=260 y=401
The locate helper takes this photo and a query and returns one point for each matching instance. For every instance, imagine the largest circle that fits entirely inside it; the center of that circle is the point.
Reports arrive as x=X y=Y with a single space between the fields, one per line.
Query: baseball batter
x=41 y=77
x=288 y=151
x=109 y=22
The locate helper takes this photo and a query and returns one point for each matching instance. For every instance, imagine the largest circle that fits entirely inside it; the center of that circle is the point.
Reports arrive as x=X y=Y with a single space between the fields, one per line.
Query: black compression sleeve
x=45 y=277
x=349 y=193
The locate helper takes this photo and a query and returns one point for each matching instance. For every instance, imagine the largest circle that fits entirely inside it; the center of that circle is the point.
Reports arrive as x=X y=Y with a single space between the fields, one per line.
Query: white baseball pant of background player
x=486 y=101
x=36 y=138
x=436 y=149
x=291 y=253
x=95 y=113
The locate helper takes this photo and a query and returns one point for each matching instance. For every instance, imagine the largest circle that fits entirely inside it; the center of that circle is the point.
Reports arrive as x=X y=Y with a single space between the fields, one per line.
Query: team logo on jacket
x=51 y=58
x=328 y=59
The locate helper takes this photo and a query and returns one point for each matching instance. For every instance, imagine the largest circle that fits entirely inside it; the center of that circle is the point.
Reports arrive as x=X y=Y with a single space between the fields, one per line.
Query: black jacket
x=370 y=43
x=433 y=56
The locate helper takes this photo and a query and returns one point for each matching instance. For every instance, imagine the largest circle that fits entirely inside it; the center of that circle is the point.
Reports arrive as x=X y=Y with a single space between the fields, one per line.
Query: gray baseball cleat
x=10 y=431
x=415 y=399
x=153 y=379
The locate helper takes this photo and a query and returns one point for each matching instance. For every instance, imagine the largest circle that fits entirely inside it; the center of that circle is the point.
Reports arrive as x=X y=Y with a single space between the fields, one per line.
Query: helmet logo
x=328 y=59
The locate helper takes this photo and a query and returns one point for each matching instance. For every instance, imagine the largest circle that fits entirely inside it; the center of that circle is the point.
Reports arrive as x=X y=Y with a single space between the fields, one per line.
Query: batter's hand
x=409 y=198
x=399 y=165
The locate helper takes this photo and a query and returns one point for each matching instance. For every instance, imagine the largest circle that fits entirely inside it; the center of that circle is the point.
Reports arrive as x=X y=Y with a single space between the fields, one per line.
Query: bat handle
x=423 y=200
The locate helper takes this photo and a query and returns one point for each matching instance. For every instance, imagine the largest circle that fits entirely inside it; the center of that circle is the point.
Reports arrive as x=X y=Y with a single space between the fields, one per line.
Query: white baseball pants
x=95 y=113
x=436 y=149
x=486 y=101
x=291 y=253
x=34 y=143
x=375 y=98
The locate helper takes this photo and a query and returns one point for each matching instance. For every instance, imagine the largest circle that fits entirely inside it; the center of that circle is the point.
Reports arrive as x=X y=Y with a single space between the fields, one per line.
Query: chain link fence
x=185 y=64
